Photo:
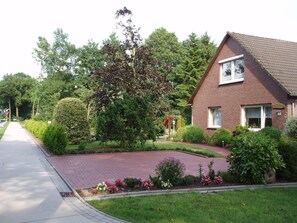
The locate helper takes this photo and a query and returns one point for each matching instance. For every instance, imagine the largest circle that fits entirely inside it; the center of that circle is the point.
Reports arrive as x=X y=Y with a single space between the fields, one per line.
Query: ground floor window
x=257 y=117
x=215 y=117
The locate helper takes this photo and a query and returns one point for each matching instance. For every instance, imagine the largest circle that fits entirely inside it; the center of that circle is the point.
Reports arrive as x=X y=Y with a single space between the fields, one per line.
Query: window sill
x=231 y=82
x=213 y=127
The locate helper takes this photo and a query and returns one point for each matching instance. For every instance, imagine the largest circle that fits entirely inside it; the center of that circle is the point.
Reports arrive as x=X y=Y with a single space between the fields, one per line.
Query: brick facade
x=258 y=88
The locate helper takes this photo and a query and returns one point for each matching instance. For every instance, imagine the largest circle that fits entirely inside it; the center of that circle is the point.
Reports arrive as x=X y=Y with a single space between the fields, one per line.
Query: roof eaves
x=247 y=48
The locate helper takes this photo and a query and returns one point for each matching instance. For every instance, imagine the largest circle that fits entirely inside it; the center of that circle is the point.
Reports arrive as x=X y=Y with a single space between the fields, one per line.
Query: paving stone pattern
x=83 y=171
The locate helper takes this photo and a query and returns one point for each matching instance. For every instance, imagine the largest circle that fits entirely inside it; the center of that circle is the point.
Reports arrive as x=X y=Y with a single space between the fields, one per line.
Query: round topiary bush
x=170 y=169
x=271 y=132
x=253 y=155
x=193 y=134
x=71 y=113
x=291 y=127
x=221 y=137
x=55 y=139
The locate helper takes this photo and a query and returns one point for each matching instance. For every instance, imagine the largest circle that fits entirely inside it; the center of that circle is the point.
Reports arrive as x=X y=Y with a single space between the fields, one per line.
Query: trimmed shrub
x=37 y=128
x=55 y=139
x=252 y=155
x=71 y=113
x=271 y=132
x=170 y=169
x=288 y=150
x=291 y=127
x=193 y=134
x=221 y=137
x=179 y=134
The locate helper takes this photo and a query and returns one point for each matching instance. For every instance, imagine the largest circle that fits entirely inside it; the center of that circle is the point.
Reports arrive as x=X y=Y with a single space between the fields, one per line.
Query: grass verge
x=258 y=206
x=2 y=129
x=148 y=146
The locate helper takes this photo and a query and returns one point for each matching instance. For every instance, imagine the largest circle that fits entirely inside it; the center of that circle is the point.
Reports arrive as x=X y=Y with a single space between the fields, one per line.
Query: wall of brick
x=256 y=89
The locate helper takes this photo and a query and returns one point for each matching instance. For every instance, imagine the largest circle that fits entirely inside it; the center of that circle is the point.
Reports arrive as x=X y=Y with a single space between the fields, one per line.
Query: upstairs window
x=232 y=70
x=215 y=117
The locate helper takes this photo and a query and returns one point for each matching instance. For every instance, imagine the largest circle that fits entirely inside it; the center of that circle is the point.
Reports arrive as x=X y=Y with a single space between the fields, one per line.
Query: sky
x=23 y=21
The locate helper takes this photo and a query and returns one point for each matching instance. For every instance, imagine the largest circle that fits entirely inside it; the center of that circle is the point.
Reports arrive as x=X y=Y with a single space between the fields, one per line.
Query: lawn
x=258 y=205
x=2 y=129
x=148 y=146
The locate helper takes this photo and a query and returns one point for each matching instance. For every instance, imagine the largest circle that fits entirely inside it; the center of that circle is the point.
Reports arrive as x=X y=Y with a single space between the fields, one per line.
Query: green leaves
x=252 y=155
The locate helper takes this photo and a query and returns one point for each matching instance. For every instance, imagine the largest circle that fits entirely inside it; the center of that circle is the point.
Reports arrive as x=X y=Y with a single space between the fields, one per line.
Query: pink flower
x=112 y=189
x=206 y=180
x=119 y=182
x=218 y=180
x=147 y=184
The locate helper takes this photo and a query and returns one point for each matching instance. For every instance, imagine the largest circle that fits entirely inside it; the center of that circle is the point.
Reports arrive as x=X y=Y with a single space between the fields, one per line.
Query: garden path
x=30 y=189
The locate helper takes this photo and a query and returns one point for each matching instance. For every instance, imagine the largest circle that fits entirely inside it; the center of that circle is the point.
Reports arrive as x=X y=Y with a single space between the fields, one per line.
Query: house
x=250 y=81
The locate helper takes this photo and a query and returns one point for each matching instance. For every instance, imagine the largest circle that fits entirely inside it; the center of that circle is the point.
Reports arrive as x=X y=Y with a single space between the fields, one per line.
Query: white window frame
x=262 y=115
x=233 y=79
x=210 y=117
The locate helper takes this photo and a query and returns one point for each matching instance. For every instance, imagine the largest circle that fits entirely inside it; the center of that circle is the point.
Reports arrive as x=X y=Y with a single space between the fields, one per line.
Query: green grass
x=257 y=206
x=149 y=145
x=2 y=129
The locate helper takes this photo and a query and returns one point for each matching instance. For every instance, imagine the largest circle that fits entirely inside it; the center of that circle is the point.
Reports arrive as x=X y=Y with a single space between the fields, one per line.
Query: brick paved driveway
x=83 y=171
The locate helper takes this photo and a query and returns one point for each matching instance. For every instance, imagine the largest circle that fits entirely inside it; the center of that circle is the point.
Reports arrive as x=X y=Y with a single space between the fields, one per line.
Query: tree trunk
x=9 y=107
x=17 y=111
x=33 y=109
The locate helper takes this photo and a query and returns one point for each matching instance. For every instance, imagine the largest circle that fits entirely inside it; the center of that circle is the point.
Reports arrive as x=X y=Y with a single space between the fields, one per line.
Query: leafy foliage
x=271 y=132
x=55 y=139
x=240 y=130
x=132 y=182
x=170 y=169
x=193 y=134
x=127 y=121
x=252 y=155
x=37 y=128
x=16 y=90
x=288 y=151
x=129 y=69
x=221 y=137
x=71 y=113
x=291 y=127
x=180 y=134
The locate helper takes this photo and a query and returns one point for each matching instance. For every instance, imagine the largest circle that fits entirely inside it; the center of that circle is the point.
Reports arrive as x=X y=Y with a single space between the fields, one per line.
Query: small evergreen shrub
x=37 y=128
x=55 y=139
x=193 y=134
x=240 y=130
x=132 y=182
x=221 y=137
x=252 y=155
x=188 y=180
x=288 y=150
x=179 y=134
x=271 y=132
x=170 y=169
x=71 y=113
x=228 y=177
x=291 y=127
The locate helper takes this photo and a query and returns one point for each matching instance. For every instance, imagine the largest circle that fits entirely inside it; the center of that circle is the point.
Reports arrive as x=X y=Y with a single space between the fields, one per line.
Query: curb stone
x=201 y=190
